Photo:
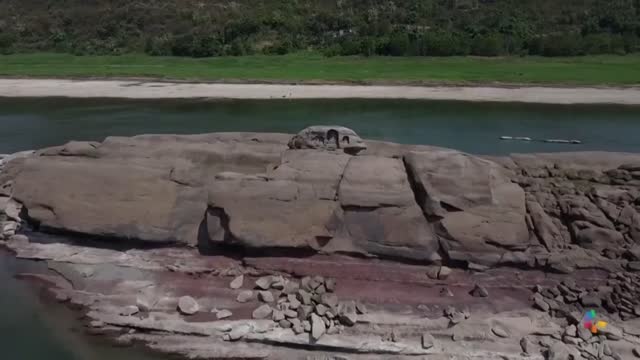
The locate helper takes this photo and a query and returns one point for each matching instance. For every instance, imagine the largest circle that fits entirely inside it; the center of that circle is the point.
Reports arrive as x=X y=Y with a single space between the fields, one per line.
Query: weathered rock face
x=582 y=199
x=480 y=212
x=328 y=138
x=403 y=202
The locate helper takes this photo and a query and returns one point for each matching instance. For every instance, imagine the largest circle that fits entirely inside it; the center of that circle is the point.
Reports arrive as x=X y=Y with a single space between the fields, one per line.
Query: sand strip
x=167 y=90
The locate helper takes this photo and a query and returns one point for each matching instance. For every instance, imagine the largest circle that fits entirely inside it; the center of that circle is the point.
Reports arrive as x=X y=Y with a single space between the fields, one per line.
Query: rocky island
x=324 y=245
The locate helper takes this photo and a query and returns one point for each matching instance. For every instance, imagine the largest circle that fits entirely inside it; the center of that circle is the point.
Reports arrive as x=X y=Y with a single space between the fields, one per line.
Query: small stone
x=318 y=327
x=317 y=281
x=129 y=310
x=328 y=323
x=304 y=312
x=237 y=282
x=361 y=308
x=330 y=315
x=223 y=314
x=262 y=312
x=321 y=309
x=445 y=292
x=264 y=282
x=584 y=333
x=278 y=283
x=457 y=317
x=571 y=330
x=239 y=332
x=330 y=300
x=304 y=296
x=479 y=291
x=290 y=314
x=394 y=336
x=427 y=341
x=334 y=329
x=348 y=315
x=499 y=332
x=188 y=305
x=143 y=304
x=305 y=283
x=285 y=324
x=294 y=303
x=291 y=287
x=432 y=273
x=277 y=315
x=245 y=296
x=295 y=322
x=266 y=296
x=306 y=325
x=330 y=285
x=540 y=303
x=444 y=273
x=297 y=329
x=526 y=345
x=321 y=290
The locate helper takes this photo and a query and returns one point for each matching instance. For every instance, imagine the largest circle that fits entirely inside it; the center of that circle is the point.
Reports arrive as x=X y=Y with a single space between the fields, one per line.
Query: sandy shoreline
x=133 y=89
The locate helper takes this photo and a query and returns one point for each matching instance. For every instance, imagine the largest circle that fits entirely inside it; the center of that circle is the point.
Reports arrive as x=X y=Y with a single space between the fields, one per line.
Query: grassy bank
x=593 y=70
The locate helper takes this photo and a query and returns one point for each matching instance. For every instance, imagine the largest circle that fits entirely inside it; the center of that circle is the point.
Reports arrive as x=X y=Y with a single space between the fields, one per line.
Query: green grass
x=591 y=70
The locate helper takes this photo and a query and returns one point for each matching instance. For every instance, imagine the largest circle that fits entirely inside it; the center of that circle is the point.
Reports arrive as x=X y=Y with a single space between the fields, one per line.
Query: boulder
x=129 y=188
x=328 y=138
x=380 y=215
x=481 y=212
x=113 y=200
x=299 y=198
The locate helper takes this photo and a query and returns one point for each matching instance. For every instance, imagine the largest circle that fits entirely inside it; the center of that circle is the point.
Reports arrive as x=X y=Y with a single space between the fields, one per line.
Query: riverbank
x=309 y=68
x=141 y=89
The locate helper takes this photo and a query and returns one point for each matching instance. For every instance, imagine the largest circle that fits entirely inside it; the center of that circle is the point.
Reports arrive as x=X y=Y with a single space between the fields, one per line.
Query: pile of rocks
x=10 y=221
x=306 y=306
x=620 y=297
x=569 y=301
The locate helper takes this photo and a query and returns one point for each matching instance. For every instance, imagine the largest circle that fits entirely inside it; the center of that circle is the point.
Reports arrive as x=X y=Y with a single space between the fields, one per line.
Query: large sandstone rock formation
x=414 y=203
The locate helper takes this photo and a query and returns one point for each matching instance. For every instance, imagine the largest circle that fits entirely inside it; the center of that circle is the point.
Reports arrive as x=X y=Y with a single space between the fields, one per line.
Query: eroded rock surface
x=558 y=211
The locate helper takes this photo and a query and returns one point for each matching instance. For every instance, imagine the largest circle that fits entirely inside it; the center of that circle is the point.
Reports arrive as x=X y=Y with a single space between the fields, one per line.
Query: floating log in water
x=521 y=138
x=551 y=141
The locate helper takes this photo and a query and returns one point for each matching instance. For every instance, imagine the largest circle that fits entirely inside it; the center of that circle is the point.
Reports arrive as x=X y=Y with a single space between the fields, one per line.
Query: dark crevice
x=420 y=196
x=49 y=235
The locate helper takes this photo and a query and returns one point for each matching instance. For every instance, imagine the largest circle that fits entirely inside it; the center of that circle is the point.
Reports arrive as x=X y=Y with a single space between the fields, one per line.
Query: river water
x=31 y=329
x=472 y=127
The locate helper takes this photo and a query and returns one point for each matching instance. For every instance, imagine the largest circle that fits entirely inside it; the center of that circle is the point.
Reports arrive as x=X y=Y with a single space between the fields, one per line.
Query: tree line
x=204 y=28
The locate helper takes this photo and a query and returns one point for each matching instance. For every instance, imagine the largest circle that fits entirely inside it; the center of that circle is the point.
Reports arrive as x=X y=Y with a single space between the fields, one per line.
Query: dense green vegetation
x=589 y=70
x=205 y=28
